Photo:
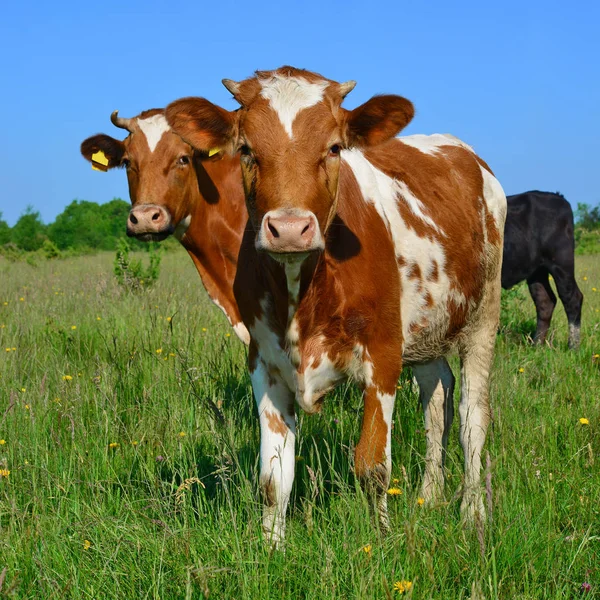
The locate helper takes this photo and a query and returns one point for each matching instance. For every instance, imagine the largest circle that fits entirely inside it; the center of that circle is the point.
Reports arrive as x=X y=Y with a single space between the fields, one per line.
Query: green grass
x=187 y=413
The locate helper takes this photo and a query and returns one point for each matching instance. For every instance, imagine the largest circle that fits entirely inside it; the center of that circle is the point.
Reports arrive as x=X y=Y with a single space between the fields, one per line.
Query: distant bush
x=587 y=241
x=11 y=252
x=132 y=274
x=50 y=251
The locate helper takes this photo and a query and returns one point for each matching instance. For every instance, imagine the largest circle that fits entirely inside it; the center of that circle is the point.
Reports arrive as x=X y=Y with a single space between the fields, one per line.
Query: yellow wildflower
x=394 y=492
x=367 y=549
x=134 y=443
x=7 y=349
x=23 y=390
x=168 y=319
x=4 y=472
x=113 y=445
x=158 y=350
x=2 y=442
x=87 y=544
x=182 y=434
x=172 y=354
x=22 y=299
x=98 y=318
x=27 y=407
x=594 y=290
x=6 y=304
x=395 y=480
x=402 y=586
x=204 y=329
x=227 y=335
x=14 y=349
x=67 y=377
x=585 y=278
x=584 y=421
x=521 y=370
x=73 y=327
x=420 y=501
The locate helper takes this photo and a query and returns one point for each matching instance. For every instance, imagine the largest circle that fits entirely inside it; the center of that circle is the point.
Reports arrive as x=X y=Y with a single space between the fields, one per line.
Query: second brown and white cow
x=175 y=190
x=365 y=252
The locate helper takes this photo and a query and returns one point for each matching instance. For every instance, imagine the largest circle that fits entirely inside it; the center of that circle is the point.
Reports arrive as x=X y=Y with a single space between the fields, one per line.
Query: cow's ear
x=378 y=120
x=202 y=124
x=113 y=149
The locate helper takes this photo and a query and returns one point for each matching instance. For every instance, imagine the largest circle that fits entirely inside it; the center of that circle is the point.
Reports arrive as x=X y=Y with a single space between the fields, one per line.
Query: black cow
x=538 y=241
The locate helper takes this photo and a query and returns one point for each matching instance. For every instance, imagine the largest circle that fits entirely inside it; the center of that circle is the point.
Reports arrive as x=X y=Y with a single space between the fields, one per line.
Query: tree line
x=81 y=228
x=85 y=227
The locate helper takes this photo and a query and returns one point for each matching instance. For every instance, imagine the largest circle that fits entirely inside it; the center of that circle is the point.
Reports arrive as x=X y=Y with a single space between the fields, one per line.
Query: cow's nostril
x=305 y=229
x=273 y=230
x=133 y=219
x=156 y=216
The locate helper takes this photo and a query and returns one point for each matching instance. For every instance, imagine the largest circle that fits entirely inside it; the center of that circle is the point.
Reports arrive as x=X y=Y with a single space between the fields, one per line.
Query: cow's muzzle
x=289 y=231
x=149 y=222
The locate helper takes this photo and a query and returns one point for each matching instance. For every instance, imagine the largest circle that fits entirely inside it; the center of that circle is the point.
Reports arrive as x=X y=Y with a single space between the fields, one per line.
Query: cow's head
x=290 y=132
x=160 y=170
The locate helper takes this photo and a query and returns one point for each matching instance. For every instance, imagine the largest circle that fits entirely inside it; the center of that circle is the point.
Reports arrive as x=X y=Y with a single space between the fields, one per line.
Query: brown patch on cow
x=276 y=423
x=428 y=300
x=433 y=274
x=273 y=374
x=267 y=488
x=370 y=450
x=414 y=271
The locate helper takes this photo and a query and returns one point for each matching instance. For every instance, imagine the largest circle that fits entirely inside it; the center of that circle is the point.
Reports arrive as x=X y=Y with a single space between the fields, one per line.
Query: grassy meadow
x=129 y=458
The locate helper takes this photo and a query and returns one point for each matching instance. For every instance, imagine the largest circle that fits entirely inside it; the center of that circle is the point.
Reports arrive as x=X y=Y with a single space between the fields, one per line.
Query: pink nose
x=148 y=219
x=289 y=232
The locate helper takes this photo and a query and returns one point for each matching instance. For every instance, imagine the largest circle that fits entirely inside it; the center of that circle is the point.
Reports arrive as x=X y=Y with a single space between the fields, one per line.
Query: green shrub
x=132 y=274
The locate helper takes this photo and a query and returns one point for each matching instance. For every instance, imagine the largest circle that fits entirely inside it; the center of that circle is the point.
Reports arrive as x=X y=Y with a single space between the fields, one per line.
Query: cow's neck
x=215 y=232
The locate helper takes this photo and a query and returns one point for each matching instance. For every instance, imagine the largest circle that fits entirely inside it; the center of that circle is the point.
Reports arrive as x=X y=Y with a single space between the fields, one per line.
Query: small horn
x=347 y=87
x=121 y=122
x=232 y=86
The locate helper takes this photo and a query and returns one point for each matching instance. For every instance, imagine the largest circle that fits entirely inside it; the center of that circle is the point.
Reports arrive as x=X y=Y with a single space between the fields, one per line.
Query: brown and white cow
x=177 y=190
x=365 y=252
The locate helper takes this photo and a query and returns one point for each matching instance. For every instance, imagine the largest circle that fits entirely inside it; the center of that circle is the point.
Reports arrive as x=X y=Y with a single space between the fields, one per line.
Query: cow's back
x=445 y=213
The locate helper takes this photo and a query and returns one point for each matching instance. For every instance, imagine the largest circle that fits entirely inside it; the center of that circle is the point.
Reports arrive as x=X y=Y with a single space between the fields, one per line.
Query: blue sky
x=520 y=81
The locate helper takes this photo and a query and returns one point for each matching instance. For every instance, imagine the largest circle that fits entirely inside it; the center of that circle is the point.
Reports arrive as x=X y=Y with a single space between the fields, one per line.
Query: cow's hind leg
x=570 y=295
x=476 y=354
x=277 y=443
x=544 y=300
x=436 y=390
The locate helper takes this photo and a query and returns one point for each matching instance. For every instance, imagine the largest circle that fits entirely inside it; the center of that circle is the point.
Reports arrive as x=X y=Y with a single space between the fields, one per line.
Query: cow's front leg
x=277 y=440
x=373 y=455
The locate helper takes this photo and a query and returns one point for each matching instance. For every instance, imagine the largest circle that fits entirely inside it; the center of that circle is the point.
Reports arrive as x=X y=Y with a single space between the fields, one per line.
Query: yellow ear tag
x=99 y=161
x=213 y=151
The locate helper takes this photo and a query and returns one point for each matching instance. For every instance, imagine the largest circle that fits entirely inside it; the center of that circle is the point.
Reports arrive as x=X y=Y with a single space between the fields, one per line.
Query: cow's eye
x=245 y=150
x=183 y=160
x=125 y=162
x=335 y=150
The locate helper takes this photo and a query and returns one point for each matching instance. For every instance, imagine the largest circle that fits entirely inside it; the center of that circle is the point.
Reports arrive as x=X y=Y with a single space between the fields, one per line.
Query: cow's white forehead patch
x=153 y=128
x=289 y=95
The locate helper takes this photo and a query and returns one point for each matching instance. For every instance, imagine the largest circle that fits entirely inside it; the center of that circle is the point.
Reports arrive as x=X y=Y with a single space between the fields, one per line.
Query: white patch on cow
x=153 y=128
x=289 y=95
x=384 y=193
x=292 y=274
x=269 y=346
x=431 y=144
x=182 y=227
x=494 y=197
x=243 y=333
x=387 y=408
